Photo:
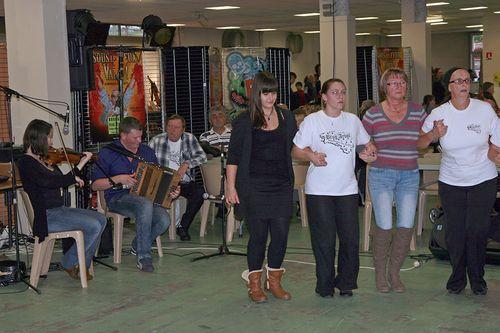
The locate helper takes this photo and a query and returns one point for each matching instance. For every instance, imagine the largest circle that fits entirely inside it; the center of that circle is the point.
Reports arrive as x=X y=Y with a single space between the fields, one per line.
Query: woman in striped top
x=394 y=125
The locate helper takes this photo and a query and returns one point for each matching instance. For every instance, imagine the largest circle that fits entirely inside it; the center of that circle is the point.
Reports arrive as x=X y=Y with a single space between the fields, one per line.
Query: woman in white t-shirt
x=328 y=139
x=467 y=178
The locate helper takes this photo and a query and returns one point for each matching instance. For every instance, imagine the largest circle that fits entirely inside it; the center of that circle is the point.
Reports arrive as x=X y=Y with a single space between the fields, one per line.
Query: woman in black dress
x=260 y=183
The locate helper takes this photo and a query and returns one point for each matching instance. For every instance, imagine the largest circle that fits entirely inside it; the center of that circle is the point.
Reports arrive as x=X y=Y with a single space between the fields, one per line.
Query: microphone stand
x=18 y=276
x=223 y=249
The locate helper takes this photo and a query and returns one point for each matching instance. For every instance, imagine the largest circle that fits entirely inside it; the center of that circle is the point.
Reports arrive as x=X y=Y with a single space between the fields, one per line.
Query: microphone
x=66 y=122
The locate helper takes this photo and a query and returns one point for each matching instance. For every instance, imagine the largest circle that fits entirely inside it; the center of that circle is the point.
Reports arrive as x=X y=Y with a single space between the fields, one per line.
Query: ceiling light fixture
x=175 y=25
x=394 y=20
x=306 y=14
x=474 y=26
x=222 y=7
x=497 y=12
x=394 y=35
x=366 y=18
x=363 y=33
x=226 y=28
x=434 y=20
x=431 y=4
x=312 y=32
x=265 y=29
x=474 y=8
x=439 y=23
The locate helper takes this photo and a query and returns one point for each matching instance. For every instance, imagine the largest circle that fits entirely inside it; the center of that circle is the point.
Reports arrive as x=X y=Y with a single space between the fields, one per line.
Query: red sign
x=489 y=55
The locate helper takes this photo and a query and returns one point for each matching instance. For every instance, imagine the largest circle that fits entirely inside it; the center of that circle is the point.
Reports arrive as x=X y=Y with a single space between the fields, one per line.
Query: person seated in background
x=486 y=94
x=429 y=103
x=151 y=220
x=180 y=150
x=219 y=135
x=299 y=95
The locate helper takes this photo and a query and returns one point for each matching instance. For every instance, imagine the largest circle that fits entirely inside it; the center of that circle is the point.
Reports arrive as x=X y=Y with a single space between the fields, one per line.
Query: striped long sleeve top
x=396 y=142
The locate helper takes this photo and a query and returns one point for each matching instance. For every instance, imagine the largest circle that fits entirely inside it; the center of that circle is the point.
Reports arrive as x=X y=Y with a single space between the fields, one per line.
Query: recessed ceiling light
x=474 y=8
x=474 y=26
x=431 y=4
x=366 y=18
x=434 y=20
x=226 y=28
x=307 y=14
x=222 y=7
x=312 y=32
x=439 y=23
x=497 y=12
x=265 y=29
x=175 y=25
x=394 y=20
x=363 y=33
x=394 y=35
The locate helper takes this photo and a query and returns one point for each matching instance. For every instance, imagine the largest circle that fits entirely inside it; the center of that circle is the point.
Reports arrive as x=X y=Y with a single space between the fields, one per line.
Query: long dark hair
x=35 y=136
x=263 y=82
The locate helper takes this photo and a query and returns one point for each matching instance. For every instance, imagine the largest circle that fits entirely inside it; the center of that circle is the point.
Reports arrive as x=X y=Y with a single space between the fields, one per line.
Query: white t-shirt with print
x=464 y=161
x=174 y=157
x=337 y=137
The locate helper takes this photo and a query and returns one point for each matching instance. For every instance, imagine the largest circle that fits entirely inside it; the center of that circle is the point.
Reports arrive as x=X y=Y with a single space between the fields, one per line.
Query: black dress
x=270 y=193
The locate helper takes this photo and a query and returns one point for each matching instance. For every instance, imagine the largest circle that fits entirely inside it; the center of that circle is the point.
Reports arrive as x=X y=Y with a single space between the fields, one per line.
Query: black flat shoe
x=480 y=291
x=325 y=295
x=454 y=291
x=183 y=234
x=346 y=293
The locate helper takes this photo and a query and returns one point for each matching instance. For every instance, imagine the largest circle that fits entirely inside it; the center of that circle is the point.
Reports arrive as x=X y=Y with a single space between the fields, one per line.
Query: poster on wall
x=105 y=101
x=240 y=65
x=390 y=57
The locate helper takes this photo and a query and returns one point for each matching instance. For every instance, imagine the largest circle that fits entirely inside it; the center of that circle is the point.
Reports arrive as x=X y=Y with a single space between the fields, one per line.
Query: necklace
x=268 y=116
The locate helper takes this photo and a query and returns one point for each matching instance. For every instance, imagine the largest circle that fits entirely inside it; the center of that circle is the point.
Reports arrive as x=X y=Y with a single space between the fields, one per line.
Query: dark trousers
x=467 y=215
x=256 y=249
x=328 y=217
x=194 y=194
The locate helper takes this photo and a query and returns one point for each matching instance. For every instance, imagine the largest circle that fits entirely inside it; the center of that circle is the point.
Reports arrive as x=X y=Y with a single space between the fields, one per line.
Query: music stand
x=222 y=249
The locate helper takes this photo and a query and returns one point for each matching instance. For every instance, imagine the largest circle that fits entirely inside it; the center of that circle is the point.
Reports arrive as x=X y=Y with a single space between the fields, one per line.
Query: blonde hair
x=391 y=72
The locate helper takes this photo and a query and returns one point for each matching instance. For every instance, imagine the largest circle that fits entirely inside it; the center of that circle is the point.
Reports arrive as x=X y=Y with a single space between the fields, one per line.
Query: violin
x=56 y=156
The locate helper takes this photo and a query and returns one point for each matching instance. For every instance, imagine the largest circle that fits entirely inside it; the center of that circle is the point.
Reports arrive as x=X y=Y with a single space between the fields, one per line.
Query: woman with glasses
x=394 y=126
x=467 y=178
x=329 y=139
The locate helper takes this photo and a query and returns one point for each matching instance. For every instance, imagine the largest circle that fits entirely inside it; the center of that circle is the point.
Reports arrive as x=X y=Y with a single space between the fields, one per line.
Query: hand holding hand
x=174 y=193
x=439 y=130
x=79 y=182
x=318 y=159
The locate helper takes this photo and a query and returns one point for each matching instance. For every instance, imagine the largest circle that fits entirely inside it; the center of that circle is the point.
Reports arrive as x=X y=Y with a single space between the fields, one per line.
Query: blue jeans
x=151 y=220
x=90 y=222
x=387 y=185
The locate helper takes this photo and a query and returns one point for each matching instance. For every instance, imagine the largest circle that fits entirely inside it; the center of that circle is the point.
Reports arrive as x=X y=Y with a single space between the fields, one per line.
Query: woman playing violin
x=43 y=184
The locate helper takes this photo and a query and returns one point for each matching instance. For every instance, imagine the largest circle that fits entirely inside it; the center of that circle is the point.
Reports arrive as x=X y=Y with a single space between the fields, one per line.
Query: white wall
x=491 y=43
x=451 y=49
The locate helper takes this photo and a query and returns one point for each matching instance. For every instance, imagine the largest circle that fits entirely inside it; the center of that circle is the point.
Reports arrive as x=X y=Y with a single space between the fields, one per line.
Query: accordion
x=155 y=183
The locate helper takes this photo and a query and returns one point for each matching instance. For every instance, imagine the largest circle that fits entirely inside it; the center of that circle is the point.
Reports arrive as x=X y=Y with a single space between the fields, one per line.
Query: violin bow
x=64 y=148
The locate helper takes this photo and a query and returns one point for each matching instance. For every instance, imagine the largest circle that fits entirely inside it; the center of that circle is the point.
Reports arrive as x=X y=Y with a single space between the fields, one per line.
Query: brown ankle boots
x=273 y=283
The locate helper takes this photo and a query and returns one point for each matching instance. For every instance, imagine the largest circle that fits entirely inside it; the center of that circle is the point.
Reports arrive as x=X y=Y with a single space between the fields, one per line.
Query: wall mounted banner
x=105 y=100
x=390 y=57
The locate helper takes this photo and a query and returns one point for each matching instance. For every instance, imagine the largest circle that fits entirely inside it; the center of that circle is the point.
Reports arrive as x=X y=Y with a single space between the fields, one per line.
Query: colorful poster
x=390 y=57
x=241 y=65
x=106 y=100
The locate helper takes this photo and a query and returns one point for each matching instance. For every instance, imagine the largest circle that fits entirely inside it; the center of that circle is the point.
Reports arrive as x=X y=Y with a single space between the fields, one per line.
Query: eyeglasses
x=396 y=83
x=461 y=81
x=339 y=92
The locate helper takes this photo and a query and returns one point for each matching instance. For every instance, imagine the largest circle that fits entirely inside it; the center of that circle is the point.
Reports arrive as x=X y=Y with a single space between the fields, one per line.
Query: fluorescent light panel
x=176 y=25
x=394 y=20
x=265 y=29
x=363 y=33
x=394 y=35
x=474 y=8
x=226 y=28
x=366 y=18
x=222 y=7
x=474 y=26
x=307 y=14
x=312 y=32
x=497 y=12
x=431 y=4
x=434 y=20
x=439 y=23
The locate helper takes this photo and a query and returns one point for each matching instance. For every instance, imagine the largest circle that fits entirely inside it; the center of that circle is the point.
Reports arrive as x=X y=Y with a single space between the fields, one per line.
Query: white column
x=491 y=43
x=37 y=51
x=415 y=33
x=338 y=47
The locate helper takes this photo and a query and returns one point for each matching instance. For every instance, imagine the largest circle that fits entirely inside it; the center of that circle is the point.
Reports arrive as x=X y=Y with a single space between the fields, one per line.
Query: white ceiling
x=277 y=14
